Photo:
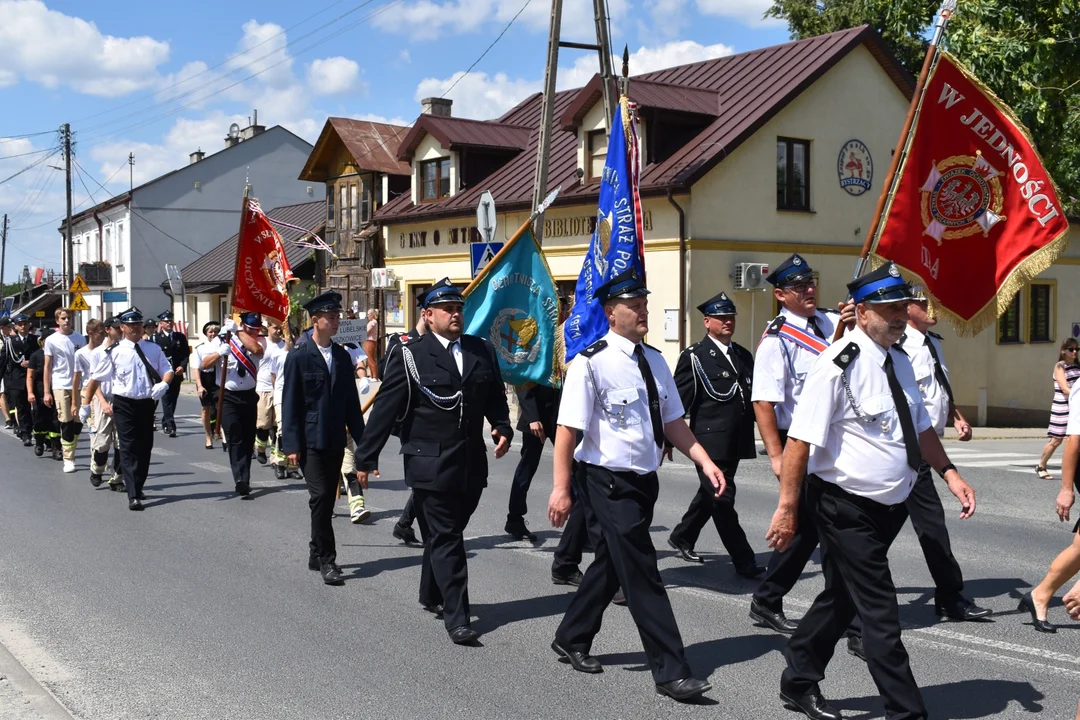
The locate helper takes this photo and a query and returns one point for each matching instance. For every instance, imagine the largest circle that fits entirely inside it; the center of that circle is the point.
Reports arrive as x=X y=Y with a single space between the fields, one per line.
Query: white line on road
x=163 y=452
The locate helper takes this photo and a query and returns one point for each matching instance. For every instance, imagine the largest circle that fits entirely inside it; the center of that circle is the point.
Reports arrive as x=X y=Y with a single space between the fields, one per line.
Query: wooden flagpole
x=889 y=186
x=232 y=299
x=513 y=239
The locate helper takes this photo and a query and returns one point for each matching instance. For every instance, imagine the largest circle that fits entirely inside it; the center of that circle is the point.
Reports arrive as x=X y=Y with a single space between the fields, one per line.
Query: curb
x=38 y=697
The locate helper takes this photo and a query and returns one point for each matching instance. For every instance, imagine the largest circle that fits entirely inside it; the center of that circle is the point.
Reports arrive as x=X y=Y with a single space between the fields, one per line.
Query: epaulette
x=109 y=349
x=934 y=335
x=847 y=356
x=775 y=325
x=692 y=348
x=405 y=339
x=900 y=343
x=594 y=348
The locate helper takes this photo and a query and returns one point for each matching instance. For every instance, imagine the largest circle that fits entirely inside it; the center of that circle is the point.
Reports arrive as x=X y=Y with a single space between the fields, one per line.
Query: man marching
x=714 y=380
x=104 y=436
x=176 y=348
x=19 y=346
x=59 y=375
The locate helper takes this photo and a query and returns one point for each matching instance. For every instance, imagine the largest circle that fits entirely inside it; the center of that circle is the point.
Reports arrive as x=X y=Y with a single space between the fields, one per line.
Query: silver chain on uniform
x=440 y=402
x=708 y=387
x=859 y=415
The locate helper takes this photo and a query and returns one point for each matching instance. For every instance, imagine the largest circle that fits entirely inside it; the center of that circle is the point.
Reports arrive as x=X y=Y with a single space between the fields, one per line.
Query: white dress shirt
x=936 y=400
x=233 y=381
x=126 y=371
x=61 y=348
x=863 y=455
x=611 y=405
x=726 y=349
x=455 y=351
x=781 y=366
x=96 y=356
x=262 y=383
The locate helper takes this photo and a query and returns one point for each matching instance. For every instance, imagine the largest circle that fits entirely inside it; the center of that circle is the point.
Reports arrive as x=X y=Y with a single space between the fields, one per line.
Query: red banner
x=262 y=270
x=975 y=215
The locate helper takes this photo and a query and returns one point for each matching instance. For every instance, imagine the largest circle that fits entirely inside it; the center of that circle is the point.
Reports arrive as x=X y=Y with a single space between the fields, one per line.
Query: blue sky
x=154 y=78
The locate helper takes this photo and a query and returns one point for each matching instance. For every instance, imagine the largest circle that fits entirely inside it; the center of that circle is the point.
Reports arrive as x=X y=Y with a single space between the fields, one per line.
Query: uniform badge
x=893 y=271
x=725 y=374
x=885 y=425
x=962 y=196
x=845 y=358
x=712 y=353
x=796 y=260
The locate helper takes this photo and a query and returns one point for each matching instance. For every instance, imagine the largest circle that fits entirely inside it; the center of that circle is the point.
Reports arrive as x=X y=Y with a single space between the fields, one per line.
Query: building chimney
x=439 y=107
x=253 y=129
x=196 y=156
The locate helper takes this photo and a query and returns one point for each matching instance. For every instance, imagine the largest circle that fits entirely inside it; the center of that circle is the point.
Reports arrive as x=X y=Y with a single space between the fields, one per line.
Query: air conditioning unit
x=382 y=278
x=750 y=276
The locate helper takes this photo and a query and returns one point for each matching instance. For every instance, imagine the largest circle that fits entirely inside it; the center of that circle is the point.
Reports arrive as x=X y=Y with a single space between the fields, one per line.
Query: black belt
x=628 y=475
x=836 y=491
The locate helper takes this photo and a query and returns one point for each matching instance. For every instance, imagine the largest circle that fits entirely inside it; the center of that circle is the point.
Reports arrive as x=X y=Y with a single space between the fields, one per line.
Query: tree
x=1026 y=51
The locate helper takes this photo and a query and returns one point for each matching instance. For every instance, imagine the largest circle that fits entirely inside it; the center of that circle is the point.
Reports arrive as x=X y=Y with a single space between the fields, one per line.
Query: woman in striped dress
x=1066 y=370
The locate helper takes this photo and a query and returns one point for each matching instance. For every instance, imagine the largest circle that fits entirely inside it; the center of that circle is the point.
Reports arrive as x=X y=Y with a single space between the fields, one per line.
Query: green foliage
x=1026 y=51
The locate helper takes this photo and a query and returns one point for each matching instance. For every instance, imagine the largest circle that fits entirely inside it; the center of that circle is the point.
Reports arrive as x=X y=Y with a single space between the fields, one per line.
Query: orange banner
x=262 y=270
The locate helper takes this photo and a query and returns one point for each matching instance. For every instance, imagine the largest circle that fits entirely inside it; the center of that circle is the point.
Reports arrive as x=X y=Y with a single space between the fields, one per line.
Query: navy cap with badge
x=20 y=318
x=166 y=316
x=443 y=291
x=624 y=286
x=794 y=269
x=718 y=305
x=251 y=319
x=883 y=285
x=328 y=301
x=5 y=321
x=131 y=316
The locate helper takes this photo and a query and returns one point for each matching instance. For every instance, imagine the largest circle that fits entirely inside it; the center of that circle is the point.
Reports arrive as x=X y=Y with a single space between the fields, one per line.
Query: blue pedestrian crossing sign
x=482 y=254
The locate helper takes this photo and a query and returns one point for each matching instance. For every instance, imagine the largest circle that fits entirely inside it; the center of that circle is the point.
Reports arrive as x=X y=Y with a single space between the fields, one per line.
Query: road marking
x=163 y=452
x=211 y=467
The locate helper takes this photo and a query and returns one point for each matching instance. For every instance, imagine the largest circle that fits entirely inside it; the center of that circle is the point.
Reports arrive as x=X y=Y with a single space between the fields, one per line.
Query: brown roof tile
x=374 y=146
x=645 y=93
x=453 y=133
x=751 y=88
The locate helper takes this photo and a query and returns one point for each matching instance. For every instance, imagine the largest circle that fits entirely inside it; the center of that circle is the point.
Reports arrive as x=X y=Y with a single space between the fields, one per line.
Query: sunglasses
x=1070 y=349
x=800 y=287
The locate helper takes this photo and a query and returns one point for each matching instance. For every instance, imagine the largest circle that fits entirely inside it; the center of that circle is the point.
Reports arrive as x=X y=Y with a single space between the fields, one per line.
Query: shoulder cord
x=859 y=415
x=708 y=387
x=440 y=402
x=596 y=389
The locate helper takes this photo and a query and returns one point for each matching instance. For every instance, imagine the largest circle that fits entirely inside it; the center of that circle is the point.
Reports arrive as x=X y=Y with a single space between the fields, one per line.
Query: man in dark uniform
x=539 y=406
x=176 y=348
x=441 y=387
x=5 y=331
x=19 y=346
x=319 y=403
x=714 y=378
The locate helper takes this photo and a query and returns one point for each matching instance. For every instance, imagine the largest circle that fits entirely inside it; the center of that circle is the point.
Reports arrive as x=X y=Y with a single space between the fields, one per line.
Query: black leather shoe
x=750 y=571
x=406 y=535
x=683 y=689
x=313 y=563
x=765 y=617
x=961 y=609
x=39 y=450
x=331 y=574
x=27 y=442
x=243 y=489
x=435 y=609
x=135 y=504
x=580 y=661
x=518 y=530
x=573 y=578
x=619 y=599
x=260 y=456
x=463 y=635
x=172 y=432
x=118 y=487
x=140 y=496
x=810 y=704
x=686 y=553
x=855 y=648
x=1026 y=603
x=96 y=479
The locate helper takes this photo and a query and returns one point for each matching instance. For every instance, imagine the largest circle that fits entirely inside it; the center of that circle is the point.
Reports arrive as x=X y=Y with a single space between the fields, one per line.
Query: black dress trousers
x=408 y=513
x=322 y=472
x=706 y=505
x=134 y=421
x=856 y=534
x=19 y=401
x=621 y=506
x=532 y=448
x=575 y=534
x=928 y=518
x=239 y=411
x=444 y=572
x=168 y=403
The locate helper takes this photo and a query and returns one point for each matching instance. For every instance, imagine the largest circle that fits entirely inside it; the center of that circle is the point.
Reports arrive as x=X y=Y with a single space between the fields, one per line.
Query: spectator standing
x=1066 y=370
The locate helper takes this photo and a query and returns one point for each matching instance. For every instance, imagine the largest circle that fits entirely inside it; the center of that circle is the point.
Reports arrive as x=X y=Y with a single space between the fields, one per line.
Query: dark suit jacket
x=392 y=343
x=724 y=429
x=19 y=349
x=316 y=408
x=539 y=403
x=175 y=346
x=445 y=450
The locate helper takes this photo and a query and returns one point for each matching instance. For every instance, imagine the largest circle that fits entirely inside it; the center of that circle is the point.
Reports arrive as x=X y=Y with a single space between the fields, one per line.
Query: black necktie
x=151 y=373
x=939 y=372
x=903 y=412
x=654 y=396
x=812 y=324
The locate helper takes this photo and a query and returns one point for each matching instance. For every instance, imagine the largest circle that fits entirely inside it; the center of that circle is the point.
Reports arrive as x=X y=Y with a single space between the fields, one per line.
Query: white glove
x=84 y=413
x=363 y=385
x=229 y=326
x=158 y=391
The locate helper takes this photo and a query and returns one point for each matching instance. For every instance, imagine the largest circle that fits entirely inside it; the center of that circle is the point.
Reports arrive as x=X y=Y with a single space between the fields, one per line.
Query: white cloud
x=748 y=12
x=372 y=117
x=478 y=95
x=49 y=48
x=668 y=17
x=405 y=57
x=332 y=76
x=644 y=60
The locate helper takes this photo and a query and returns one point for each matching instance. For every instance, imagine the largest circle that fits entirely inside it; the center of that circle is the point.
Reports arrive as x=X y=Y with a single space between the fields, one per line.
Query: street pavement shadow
x=376 y=567
x=492 y=616
x=169 y=486
x=709 y=656
x=919 y=612
x=153 y=502
x=963 y=700
x=259 y=492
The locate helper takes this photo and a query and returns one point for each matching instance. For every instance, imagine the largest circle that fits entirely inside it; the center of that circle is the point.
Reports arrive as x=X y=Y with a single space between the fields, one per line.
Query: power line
x=32 y=152
x=11 y=138
x=42 y=180
x=30 y=166
x=488 y=48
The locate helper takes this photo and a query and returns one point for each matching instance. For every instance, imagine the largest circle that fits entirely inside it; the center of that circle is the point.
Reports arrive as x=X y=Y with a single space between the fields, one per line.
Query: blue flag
x=515 y=306
x=617 y=244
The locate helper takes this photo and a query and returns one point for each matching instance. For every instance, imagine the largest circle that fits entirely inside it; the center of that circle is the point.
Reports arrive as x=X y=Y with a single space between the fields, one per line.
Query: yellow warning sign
x=79 y=286
x=77 y=302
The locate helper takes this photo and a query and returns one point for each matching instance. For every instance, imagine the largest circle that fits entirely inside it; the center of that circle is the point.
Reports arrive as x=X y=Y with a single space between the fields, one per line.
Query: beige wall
x=430 y=149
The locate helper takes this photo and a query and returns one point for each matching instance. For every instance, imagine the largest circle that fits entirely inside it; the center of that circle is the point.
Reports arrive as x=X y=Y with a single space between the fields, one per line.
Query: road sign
x=78 y=303
x=482 y=254
x=114 y=296
x=79 y=286
x=486 y=220
x=39 y=313
x=176 y=283
x=9 y=305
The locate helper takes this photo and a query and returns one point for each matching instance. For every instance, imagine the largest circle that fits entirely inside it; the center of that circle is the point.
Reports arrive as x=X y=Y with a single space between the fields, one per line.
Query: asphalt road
x=203 y=607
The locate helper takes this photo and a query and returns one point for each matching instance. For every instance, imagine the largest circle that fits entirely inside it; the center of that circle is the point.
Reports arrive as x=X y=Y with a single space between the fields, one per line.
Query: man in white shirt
x=620 y=394
x=58 y=378
x=265 y=418
x=140 y=375
x=104 y=429
x=862 y=438
x=95 y=335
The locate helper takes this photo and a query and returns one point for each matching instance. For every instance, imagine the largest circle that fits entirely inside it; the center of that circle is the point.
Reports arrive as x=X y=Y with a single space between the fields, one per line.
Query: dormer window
x=595 y=154
x=435 y=179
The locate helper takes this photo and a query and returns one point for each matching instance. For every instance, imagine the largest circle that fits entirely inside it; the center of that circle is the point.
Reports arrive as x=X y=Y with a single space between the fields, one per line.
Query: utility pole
x=547 y=110
x=131 y=171
x=69 y=251
x=3 y=255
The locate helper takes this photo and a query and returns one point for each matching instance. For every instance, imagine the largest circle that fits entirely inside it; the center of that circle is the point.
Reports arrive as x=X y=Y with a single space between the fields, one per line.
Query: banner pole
x=538 y=212
x=232 y=299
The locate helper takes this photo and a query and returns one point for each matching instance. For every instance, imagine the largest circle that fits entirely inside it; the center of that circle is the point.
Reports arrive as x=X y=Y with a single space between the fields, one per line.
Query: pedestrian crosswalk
x=1021 y=462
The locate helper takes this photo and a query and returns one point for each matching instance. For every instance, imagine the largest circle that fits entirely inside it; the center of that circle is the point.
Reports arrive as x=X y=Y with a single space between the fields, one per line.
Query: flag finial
x=626 y=61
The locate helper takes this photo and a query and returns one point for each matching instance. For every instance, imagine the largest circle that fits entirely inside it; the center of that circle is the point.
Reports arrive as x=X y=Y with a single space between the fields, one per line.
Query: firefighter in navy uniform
x=714 y=377
x=176 y=348
x=441 y=387
x=18 y=347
